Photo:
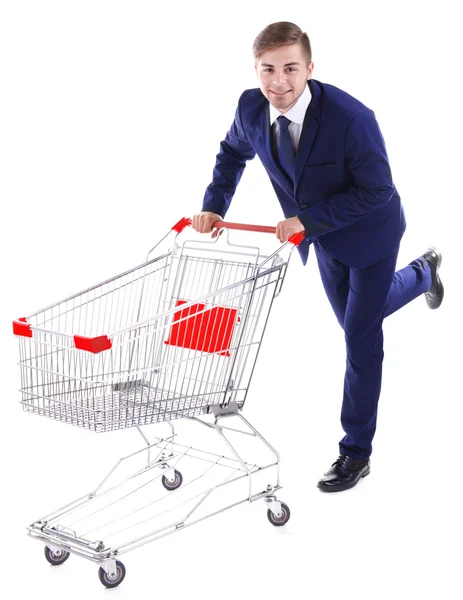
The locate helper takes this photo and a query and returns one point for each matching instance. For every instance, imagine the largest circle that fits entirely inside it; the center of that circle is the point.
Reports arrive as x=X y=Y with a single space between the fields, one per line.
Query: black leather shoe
x=435 y=294
x=344 y=474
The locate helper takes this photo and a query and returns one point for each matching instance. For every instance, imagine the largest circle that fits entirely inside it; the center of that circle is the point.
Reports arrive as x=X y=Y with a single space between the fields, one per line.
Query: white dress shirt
x=295 y=114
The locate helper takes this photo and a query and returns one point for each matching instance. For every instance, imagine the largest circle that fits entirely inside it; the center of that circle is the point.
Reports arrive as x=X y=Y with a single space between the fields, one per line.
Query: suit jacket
x=342 y=191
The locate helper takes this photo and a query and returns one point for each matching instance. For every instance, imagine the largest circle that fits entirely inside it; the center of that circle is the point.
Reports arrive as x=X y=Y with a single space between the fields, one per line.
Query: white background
x=111 y=117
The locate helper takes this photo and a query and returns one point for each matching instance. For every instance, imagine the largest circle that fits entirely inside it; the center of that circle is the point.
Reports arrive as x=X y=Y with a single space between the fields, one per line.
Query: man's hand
x=287 y=228
x=203 y=222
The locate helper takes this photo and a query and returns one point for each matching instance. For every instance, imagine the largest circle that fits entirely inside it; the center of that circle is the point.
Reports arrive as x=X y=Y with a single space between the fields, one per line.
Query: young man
x=327 y=161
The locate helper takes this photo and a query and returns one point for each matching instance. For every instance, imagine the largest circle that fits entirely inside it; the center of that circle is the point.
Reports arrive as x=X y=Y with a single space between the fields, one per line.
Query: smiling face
x=283 y=73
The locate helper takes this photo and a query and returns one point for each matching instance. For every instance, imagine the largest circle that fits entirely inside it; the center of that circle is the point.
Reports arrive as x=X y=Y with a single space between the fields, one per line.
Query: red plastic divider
x=209 y=331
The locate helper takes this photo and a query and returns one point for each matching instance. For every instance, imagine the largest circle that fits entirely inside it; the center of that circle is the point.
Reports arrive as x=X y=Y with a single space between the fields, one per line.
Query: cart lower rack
x=178 y=486
x=185 y=330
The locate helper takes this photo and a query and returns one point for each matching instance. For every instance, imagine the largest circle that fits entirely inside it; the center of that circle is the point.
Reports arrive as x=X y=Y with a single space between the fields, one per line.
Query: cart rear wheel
x=176 y=483
x=282 y=519
x=56 y=558
x=111 y=582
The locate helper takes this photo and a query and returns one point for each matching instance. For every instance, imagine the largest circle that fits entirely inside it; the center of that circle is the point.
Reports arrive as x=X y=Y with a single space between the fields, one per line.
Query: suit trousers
x=361 y=299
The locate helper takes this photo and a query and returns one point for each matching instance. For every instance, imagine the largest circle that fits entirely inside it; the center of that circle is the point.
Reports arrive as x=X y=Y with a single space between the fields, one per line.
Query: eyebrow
x=286 y=65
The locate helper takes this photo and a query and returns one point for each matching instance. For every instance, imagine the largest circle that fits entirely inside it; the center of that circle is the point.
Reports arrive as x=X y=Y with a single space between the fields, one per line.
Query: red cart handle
x=295 y=239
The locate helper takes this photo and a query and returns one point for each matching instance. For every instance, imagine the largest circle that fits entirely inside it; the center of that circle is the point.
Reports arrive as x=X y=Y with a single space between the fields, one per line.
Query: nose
x=280 y=78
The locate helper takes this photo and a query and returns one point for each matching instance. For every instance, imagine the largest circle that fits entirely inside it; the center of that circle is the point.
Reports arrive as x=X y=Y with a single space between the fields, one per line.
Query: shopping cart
x=185 y=329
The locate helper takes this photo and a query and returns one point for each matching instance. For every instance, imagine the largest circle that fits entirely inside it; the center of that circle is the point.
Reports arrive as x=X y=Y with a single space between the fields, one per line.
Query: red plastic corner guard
x=22 y=327
x=180 y=226
x=94 y=345
x=297 y=238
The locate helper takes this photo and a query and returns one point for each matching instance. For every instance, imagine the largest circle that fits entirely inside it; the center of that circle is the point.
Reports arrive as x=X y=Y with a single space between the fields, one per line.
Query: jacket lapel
x=309 y=132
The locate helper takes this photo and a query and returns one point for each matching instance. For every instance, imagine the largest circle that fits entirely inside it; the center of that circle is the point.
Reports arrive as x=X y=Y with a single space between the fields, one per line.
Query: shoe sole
x=428 y=296
x=438 y=280
x=346 y=487
x=438 y=254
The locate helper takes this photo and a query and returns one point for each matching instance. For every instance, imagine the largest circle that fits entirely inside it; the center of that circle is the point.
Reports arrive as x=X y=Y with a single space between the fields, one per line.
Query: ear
x=310 y=69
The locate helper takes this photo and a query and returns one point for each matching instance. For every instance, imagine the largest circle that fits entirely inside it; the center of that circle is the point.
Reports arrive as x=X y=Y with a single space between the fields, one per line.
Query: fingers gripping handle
x=295 y=239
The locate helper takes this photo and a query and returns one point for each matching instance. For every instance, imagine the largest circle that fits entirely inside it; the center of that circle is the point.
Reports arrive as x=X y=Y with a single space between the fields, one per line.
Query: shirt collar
x=297 y=112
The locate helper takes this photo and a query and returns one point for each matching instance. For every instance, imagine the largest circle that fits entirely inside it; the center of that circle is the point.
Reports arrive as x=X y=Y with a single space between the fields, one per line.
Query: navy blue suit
x=344 y=196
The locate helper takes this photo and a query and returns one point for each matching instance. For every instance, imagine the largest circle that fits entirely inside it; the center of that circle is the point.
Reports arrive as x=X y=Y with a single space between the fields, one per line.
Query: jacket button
x=303 y=206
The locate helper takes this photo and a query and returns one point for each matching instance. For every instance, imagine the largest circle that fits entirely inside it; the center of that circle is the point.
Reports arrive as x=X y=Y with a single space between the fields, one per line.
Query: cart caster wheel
x=282 y=519
x=111 y=582
x=174 y=484
x=56 y=558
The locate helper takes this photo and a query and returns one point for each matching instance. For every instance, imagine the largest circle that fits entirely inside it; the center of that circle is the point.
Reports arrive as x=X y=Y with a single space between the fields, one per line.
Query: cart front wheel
x=173 y=485
x=111 y=582
x=56 y=558
x=282 y=519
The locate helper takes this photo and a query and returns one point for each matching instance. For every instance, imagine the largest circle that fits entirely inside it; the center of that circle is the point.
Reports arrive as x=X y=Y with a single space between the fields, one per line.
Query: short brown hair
x=278 y=34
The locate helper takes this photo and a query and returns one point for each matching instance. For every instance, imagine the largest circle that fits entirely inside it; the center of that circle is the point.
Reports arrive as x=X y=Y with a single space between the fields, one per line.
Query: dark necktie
x=285 y=148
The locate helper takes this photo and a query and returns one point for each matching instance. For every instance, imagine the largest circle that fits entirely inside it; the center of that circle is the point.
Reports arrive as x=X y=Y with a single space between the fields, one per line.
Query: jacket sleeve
x=235 y=150
x=371 y=187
